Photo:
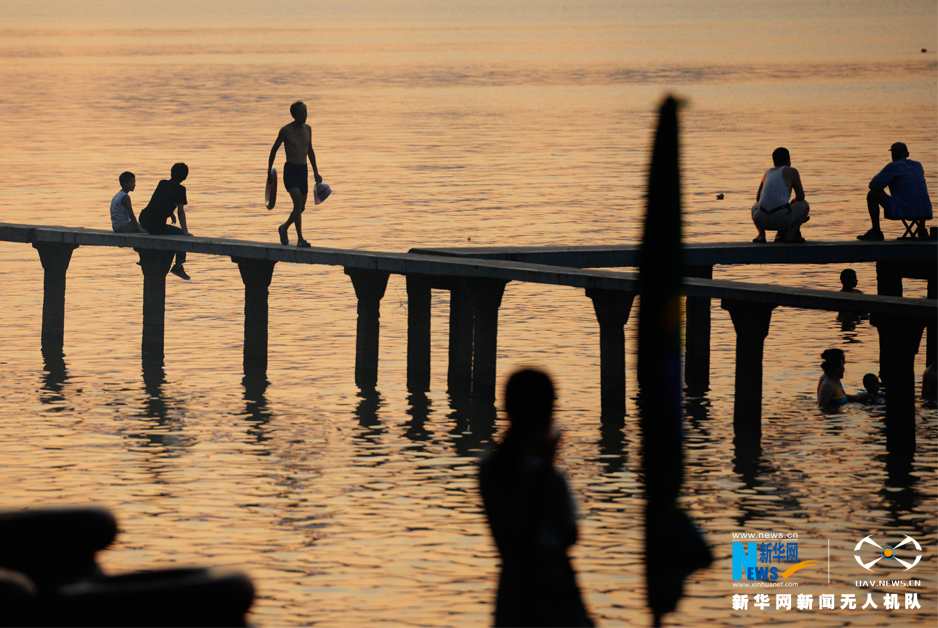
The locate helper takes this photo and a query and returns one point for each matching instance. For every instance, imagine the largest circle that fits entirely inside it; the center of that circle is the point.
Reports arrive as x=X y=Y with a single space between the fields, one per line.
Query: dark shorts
x=296 y=176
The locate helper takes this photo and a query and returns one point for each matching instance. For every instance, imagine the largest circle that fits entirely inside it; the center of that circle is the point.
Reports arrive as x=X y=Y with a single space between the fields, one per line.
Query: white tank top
x=775 y=192
x=119 y=217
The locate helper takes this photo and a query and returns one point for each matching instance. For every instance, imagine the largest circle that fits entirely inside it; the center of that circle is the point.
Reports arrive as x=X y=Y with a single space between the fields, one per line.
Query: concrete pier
x=155 y=264
x=418 y=333
x=55 y=259
x=612 y=312
x=256 y=276
x=476 y=279
x=370 y=286
x=751 y=321
x=899 y=339
x=697 y=337
x=461 y=317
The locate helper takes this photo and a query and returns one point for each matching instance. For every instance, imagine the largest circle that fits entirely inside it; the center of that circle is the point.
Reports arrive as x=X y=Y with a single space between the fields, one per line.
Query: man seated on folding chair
x=909 y=201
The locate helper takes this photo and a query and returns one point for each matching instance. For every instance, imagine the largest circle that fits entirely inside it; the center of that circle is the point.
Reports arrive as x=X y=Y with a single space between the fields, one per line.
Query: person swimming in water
x=830 y=392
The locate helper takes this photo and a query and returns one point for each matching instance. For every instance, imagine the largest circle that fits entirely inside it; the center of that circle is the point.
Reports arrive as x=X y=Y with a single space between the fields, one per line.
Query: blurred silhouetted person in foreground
x=531 y=513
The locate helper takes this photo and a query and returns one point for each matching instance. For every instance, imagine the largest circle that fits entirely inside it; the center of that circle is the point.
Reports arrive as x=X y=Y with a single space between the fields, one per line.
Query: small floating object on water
x=924 y=49
x=469 y=239
x=719 y=197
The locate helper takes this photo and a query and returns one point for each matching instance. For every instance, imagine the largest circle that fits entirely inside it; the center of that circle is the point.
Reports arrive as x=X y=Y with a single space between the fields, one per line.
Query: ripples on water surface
x=352 y=509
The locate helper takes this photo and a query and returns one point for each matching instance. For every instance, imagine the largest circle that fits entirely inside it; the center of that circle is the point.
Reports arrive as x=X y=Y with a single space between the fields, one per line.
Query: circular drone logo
x=888 y=553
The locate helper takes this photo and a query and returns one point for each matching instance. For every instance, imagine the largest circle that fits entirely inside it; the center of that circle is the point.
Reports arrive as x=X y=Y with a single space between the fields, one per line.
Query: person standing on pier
x=531 y=513
x=169 y=196
x=906 y=180
x=297 y=140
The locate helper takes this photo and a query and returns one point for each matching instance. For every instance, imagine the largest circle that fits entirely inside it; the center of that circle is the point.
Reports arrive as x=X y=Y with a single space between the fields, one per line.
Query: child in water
x=873 y=393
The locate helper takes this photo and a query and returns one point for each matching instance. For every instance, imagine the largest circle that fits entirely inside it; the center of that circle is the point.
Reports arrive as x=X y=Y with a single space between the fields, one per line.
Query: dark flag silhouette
x=674 y=547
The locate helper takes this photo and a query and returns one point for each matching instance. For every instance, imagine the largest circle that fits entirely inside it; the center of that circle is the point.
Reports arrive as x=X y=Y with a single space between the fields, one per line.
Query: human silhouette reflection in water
x=531 y=512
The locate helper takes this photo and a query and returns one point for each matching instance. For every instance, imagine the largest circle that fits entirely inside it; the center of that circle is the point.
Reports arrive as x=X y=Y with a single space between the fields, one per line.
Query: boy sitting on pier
x=167 y=198
x=122 y=213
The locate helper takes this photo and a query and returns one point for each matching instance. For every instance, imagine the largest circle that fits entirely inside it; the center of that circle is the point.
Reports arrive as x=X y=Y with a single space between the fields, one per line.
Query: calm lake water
x=497 y=123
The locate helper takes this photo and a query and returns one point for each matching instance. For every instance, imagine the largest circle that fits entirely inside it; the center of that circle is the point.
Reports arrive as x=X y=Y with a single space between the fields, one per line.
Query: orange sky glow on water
x=483 y=124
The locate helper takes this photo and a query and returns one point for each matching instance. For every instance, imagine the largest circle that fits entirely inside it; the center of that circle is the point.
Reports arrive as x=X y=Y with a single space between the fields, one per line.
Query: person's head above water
x=780 y=157
x=298 y=111
x=529 y=402
x=871 y=383
x=179 y=172
x=848 y=278
x=833 y=363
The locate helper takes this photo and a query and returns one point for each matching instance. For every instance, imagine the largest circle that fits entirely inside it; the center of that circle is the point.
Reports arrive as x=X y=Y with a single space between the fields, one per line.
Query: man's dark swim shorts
x=296 y=176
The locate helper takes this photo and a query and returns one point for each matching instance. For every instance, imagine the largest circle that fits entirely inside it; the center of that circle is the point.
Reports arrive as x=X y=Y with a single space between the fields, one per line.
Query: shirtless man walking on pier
x=297 y=140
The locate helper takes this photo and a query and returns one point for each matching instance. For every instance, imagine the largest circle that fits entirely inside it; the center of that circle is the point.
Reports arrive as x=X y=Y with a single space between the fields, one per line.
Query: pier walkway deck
x=476 y=278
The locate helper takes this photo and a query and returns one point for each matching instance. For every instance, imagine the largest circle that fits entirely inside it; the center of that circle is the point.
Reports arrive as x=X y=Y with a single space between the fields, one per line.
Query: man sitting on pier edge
x=774 y=209
x=167 y=198
x=906 y=180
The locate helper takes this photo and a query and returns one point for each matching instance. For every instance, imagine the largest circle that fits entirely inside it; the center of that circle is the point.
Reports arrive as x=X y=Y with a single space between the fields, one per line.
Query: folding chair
x=914 y=228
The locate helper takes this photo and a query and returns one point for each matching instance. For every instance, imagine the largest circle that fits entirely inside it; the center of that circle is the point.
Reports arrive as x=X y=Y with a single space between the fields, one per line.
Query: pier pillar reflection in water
x=418 y=333
x=697 y=336
x=369 y=288
x=256 y=275
x=899 y=339
x=55 y=258
x=751 y=321
x=612 y=311
x=154 y=264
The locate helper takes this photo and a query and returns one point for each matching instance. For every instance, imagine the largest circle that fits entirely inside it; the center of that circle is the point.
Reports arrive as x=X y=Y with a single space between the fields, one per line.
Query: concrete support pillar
x=889 y=279
x=612 y=311
x=418 y=334
x=155 y=264
x=55 y=258
x=369 y=288
x=697 y=337
x=751 y=321
x=899 y=339
x=931 y=342
x=256 y=275
x=461 y=318
x=488 y=298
